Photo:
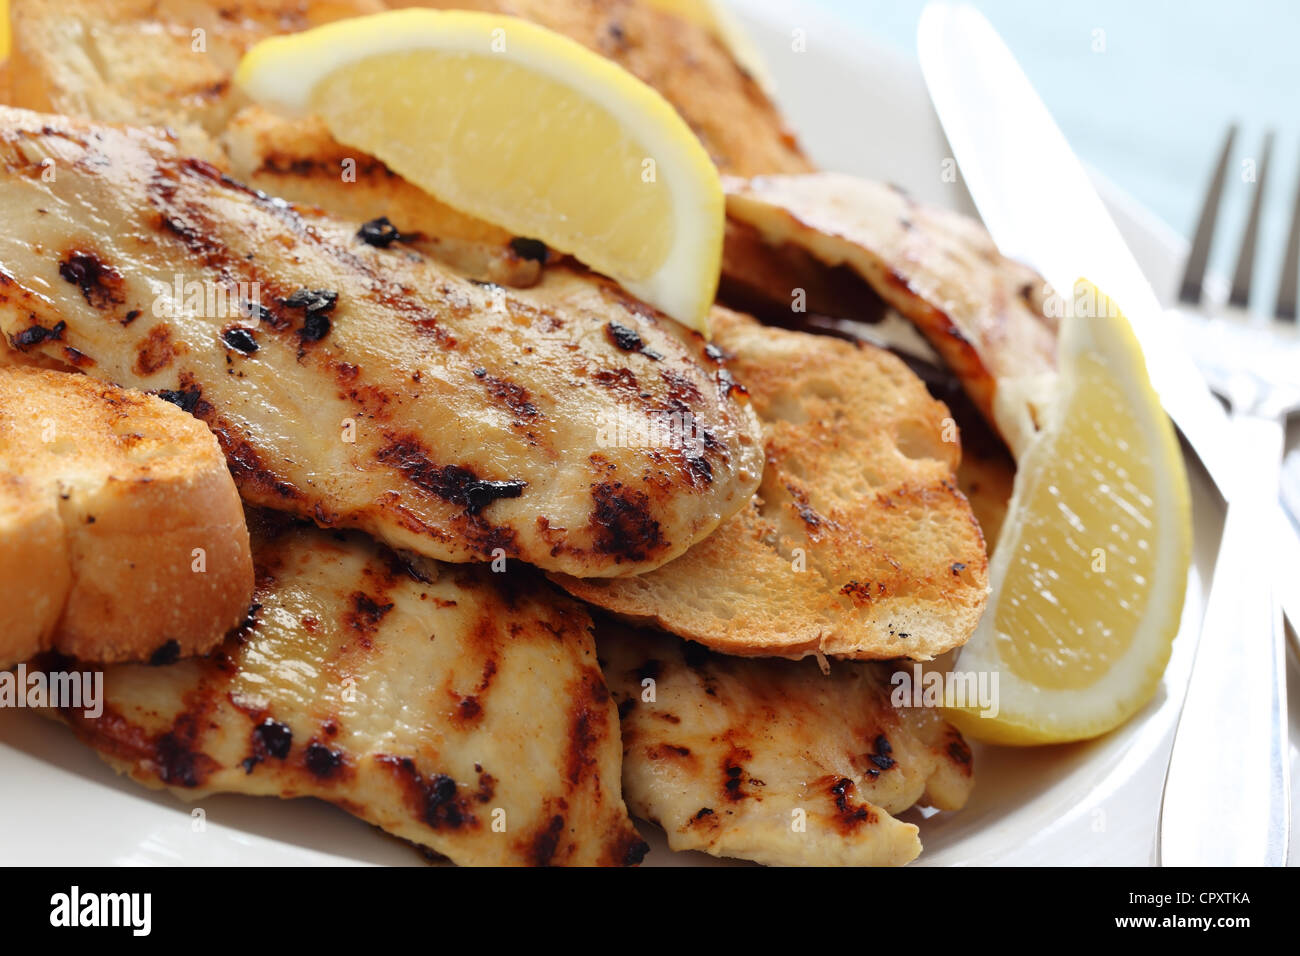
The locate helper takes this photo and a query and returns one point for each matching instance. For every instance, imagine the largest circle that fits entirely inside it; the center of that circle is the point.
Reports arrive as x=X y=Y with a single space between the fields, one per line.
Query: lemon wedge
x=4 y=30
x=519 y=126
x=1090 y=569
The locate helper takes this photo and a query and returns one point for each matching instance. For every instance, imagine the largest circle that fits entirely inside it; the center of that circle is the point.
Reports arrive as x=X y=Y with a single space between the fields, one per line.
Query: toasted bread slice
x=775 y=761
x=169 y=63
x=121 y=533
x=456 y=708
x=685 y=61
x=151 y=62
x=858 y=543
x=983 y=313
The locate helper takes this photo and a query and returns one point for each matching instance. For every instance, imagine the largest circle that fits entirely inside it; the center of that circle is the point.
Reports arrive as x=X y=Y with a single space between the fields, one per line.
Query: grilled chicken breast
x=456 y=708
x=773 y=761
x=858 y=544
x=984 y=314
x=368 y=387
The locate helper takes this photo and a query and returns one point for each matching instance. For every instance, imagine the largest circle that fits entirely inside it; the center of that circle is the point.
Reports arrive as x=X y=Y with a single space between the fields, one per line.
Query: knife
x=1041 y=208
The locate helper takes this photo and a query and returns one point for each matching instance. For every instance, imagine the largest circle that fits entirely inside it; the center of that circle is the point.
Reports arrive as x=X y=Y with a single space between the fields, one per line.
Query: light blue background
x=1150 y=111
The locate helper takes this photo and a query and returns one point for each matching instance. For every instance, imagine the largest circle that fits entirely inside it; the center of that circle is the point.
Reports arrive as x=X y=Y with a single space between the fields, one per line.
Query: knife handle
x=1227 y=792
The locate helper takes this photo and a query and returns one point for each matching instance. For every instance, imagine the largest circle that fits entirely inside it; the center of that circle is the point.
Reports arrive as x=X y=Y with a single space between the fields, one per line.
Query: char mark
x=625 y=338
x=246 y=465
x=100 y=283
x=547 y=841
x=36 y=334
x=623 y=524
x=436 y=800
x=847 y=816
x=178 y=760
x=514 y=397
x=167 y=653
x=452 y=483
x=533 y=250
x=366 y=613
x=321 y=761
x=156 y=351
x=379 y=233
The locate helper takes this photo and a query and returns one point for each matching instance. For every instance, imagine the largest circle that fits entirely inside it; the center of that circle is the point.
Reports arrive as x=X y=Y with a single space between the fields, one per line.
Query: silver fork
x=1227 y=799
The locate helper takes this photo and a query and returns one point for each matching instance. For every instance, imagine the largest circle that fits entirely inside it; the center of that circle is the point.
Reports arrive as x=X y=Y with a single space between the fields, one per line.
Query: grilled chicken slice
x=368 y=387
x=456 y=708
x=773 y=761
x=859 y=543
x=984 y=314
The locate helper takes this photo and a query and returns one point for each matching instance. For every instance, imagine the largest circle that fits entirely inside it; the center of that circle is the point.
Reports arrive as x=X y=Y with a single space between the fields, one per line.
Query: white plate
x=861 y=109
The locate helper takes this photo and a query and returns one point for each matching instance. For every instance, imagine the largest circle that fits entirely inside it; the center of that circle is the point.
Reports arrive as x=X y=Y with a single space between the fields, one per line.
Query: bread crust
x=121 y=534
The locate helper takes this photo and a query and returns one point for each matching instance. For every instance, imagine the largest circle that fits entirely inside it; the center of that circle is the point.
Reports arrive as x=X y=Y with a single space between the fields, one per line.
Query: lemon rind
x=1069 y=714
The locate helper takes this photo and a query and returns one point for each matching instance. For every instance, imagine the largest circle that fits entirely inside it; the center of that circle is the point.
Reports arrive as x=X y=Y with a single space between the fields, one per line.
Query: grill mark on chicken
x=174 y=755
x=365 y=615
x=547 y=840
x=99 y=282
x=324 y=762
x=437 y=800
x=623 y=523
x=512 y=396
x=454 y=483
x=591 y=700
x=285 y=164
x=35 y=334
x=155 y=352
x=246 y=464
x=849 y=816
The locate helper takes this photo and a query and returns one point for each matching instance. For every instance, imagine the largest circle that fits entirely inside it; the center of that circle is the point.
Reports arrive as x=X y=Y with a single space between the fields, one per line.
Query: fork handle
x=1227 y=793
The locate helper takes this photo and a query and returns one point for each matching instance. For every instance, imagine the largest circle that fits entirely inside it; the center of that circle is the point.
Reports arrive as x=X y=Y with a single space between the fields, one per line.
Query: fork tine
x=1194 y=274
x=1240 y=295
x=1286 y=290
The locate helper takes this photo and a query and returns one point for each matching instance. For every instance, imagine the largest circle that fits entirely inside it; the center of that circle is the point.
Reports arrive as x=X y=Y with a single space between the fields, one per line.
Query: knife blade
x=1040 y=206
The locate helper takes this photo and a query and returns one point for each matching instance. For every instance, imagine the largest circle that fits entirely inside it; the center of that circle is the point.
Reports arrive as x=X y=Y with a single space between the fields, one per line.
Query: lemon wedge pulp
x=1090 y=570
x=521 y=127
